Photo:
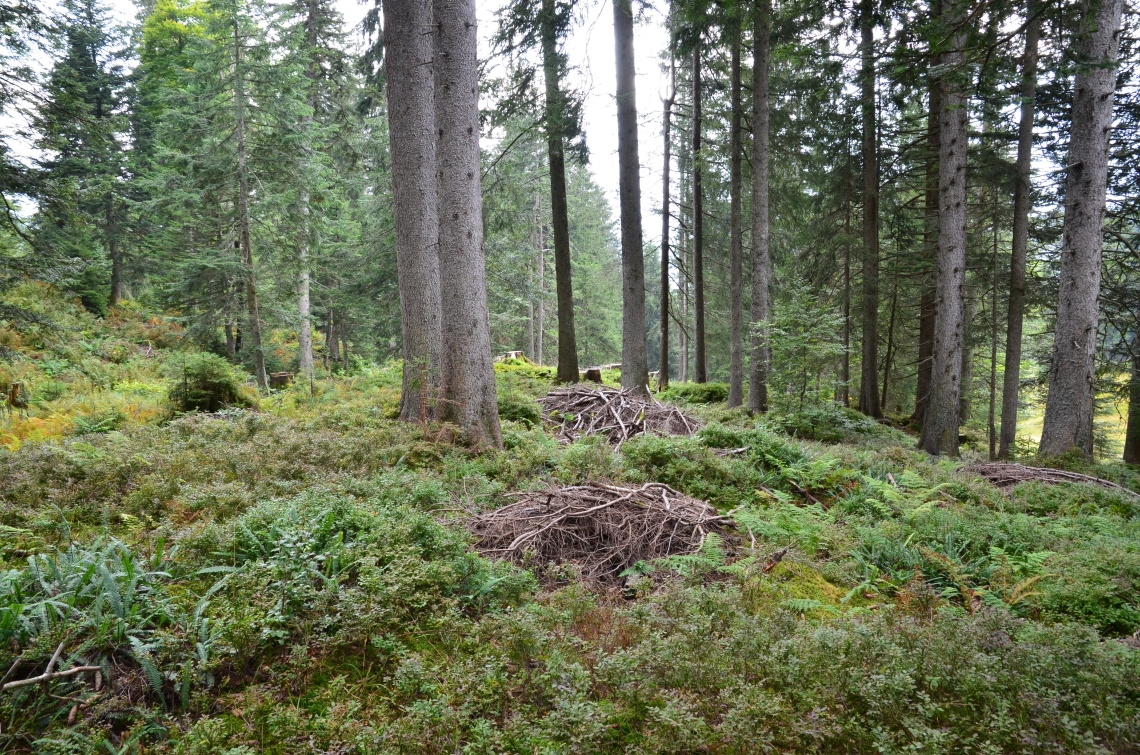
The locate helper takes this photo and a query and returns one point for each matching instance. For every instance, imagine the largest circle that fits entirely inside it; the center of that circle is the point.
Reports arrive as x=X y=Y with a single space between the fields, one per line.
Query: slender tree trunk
x=332 y=338
x=305 y=331
x=736 y=241
x=1070 y=405
x=966 y=396
x=541 y=292
x=869 y=372
x=761 y=262
x=411 y=126
x=993 y=338
x=940 y=428
x=700 y=355
x=666 y=131
x=927 y=309
x=890 y=346
x=1132 y=433
x=555 y=143
x=468 y=372
x=536 y=244
x=113 y=251
x=243 y=212
x=1022 y=199
x=634 y=357
x=845 y=374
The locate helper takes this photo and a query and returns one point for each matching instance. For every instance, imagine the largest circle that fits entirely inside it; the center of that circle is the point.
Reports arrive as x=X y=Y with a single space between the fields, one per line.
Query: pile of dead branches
x=580 y=410
x=1005 y=475
x=598 y=528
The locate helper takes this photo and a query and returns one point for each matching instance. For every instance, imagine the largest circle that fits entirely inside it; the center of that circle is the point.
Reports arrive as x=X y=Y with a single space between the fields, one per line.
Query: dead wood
x=1006 y=475
x=599 y=528
x=579 y=410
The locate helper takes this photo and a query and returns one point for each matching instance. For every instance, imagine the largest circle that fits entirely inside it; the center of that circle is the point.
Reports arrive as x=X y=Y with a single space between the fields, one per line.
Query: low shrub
x=696 y=393
x=206 y=382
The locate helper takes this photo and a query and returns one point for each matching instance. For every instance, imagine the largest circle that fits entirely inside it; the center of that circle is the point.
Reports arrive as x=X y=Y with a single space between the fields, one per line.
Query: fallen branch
x=1006 y=475
x=48 y=677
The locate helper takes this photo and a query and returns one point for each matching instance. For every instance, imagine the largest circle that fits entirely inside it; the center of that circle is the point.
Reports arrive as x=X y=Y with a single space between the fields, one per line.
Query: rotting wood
x=1006 y=475
x=580 y=410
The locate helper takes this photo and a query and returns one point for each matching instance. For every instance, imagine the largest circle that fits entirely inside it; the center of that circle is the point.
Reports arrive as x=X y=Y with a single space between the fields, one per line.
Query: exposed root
x=580 y=410
x=1006 y=475
x=599 y=528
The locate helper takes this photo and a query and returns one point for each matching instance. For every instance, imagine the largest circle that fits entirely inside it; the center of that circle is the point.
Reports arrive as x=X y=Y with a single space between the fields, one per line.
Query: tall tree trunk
x=699 y=356
x=541 y=294
x=468 y=372
x=736 y=241
x=312 y=73
x=411 y=125
x=761 y=262
x=634 y=356
x=332 y=338
x=536 y=244
x=666 y=209
x=112 y=232
x=992 y=419
x=555 y=143
x=926 y=307
x=869 y=372
x=1069 y=408
x=890 y=346
x=844 y=392
x=966 y=395
x=243 y=211
x=1022 y=199
x=940 y=428
x=1132 y=433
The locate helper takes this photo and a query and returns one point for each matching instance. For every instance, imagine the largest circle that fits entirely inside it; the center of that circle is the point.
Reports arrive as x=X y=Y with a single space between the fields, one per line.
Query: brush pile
x=579 y=410
x=601 y=529
x=1005 y=475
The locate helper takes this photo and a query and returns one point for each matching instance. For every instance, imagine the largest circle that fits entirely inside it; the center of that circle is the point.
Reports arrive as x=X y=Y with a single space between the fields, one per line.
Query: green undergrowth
x=297 y=578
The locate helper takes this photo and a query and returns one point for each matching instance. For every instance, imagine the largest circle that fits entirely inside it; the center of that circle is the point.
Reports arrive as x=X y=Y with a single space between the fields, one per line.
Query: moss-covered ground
x=296 y=577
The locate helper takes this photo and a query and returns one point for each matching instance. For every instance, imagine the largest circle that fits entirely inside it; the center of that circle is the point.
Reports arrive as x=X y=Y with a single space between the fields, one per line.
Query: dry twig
x=1006 y=475
x=602 y=529
x=579 y=410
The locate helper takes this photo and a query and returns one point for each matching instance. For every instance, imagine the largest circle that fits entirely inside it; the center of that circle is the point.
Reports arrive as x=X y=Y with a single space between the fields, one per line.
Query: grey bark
x=869 y=367
x=1022 y=198
x=761 y=262
x=634 y=357
x=666 y=208
x=468 y=373
x=1069 y=408
x=305 y=331
x=736 y=241
x=243 y=212
x=1132 y=431
x=927 y=309
x=555 y=117
x=940 y=428
x=411 y=125
x=966 y=395
x=699 y=352
x=114 y=252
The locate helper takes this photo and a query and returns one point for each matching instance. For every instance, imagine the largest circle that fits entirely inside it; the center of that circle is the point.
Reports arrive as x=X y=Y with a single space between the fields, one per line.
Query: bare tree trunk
x=411 y=125
x=761 y=262
x=1022 y=199
x=736 y=241
x=536 y=244
x=1132 y=433
x=966 y=396
x=927 y=309
x=700 y=355
x=634 y=357
x=940 y=427
x=993 y=338
x=890 y=346
x=305 y=331
x=332 y=338
x=541 y=292
x=243 y=212
x=468 y=372
x=844 y=393
x=555 y=128
x=1069 y=408
x=666 y=209
x=113 y=251
x=869 y=371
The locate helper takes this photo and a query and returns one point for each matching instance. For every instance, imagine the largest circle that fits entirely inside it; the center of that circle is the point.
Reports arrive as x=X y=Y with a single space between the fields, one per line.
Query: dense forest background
x=123 y=147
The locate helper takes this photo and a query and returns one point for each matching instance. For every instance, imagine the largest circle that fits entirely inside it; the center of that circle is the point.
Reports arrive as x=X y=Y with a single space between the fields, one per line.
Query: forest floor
x=301 y=576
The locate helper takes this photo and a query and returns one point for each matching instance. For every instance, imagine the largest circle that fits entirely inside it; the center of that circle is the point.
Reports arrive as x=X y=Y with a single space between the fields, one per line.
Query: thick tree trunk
x=634 y=357
x=761 y=263
x=468 y=372
x=1022 y=199
x=305 y=330
x=243 y=212
x=666 y=209
x=927 y=309
x=700 y=354
x=1069 y=408
x=736 y=241
x=1132 y=433
x=869 y=372
x=555 y=143
x=411 y=126
x=940 y=428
